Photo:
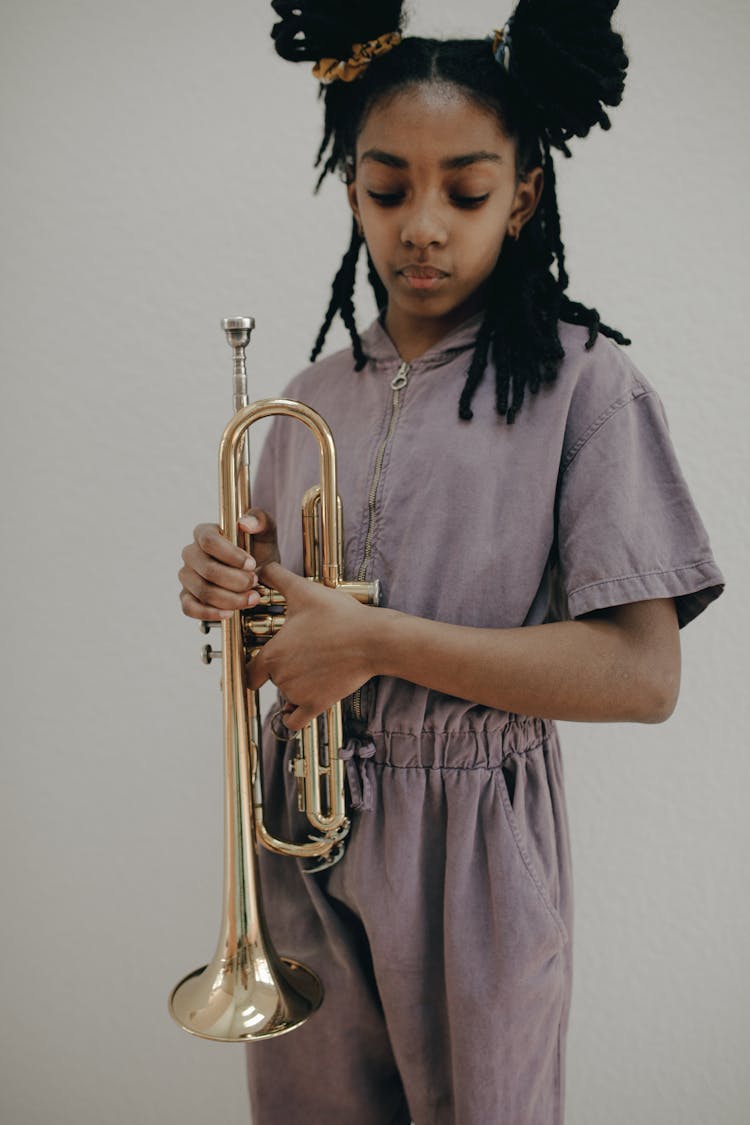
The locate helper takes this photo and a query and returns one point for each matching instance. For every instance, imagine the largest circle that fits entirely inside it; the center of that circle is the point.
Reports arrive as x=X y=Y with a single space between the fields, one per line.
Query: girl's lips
x=424 y=282
x=423 y=271
x=423 y=277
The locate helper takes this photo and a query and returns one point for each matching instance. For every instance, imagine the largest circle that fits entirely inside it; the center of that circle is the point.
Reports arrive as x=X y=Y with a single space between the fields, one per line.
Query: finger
x=261 y=528
x=260 y=524
x=191 y=607
x=298 y=717
x=209 y=538
x=257 y=672
x=218 y=573
x=214 y=596
x=285 y=581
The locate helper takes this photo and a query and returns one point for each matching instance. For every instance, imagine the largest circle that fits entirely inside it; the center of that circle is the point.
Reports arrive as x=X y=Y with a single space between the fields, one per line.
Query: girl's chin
x=430 y=304
x=424 y=317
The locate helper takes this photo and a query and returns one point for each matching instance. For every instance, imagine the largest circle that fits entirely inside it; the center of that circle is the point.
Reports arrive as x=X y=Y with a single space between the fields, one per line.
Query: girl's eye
x=470 y=201
x=392 y=199
x=385 y=200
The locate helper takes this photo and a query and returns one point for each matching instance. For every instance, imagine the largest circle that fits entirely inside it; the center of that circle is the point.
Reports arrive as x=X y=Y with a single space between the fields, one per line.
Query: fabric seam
x=542 y=891
x=418 y=367
x=506 y=756
x=520 y=724
x=642 y=574
x=634 y=393
x=379 y=436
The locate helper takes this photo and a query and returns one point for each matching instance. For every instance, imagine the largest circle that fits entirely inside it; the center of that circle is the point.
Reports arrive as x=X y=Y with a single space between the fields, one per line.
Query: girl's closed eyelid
x=471 y=201
x=392 y=199
x=385 y=197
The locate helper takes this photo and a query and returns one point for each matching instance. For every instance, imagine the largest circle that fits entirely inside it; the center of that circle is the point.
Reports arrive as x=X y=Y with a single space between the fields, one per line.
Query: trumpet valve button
x=264 y=627
x=207 y=626
x=208 y=654
x=270 y=597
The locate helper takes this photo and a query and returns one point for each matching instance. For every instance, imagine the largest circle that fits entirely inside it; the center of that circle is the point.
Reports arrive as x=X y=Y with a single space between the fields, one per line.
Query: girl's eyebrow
x=450 y=162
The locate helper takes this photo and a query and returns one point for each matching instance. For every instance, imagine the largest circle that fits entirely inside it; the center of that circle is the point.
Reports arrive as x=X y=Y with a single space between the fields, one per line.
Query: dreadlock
x=342 y=300
x=565 y=63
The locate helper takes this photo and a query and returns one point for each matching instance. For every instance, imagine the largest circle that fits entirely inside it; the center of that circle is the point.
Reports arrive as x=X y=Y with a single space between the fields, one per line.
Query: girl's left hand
x=322 y=652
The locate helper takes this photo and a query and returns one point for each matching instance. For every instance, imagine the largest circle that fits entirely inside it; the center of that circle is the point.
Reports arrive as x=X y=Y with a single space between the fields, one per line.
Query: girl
x=507 y=474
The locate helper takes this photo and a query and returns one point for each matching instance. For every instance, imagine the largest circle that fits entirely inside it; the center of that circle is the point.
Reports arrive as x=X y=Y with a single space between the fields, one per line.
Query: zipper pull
x=402 y=378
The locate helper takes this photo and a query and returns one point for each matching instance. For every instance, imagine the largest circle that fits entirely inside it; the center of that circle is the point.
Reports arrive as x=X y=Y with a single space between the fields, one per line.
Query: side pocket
x=510 y=781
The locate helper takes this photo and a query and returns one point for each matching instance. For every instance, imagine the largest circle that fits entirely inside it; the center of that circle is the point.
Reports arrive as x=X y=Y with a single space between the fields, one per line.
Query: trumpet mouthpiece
x=238 y=330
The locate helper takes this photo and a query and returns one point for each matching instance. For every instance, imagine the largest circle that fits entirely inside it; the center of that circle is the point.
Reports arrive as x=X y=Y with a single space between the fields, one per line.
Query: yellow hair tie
x=501 y=44
x=346 y=70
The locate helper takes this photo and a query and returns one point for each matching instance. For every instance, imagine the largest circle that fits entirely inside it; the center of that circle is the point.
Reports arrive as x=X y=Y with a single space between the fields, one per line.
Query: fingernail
x=225 y=613
x=250 y=523
x=249 y=563
x=253 y=598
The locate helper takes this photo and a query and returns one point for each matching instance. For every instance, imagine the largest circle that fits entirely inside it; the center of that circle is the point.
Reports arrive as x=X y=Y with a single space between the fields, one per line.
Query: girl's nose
x=423 y=227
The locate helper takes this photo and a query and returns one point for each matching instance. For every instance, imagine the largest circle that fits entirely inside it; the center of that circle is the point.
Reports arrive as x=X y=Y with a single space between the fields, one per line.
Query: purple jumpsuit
x=443 y=937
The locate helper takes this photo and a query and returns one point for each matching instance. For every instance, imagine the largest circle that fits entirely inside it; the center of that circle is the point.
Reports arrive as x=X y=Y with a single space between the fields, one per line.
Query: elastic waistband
x=461 y=749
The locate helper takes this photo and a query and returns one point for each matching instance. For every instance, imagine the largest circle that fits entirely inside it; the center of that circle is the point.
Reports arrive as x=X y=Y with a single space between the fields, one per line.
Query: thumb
x=260 y=524
x=256 y=671
x=285 y=581
x=261 y=528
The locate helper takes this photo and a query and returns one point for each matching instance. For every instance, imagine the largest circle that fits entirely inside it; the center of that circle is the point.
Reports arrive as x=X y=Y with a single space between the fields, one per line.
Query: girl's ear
x=351 y=191
x=526 y=201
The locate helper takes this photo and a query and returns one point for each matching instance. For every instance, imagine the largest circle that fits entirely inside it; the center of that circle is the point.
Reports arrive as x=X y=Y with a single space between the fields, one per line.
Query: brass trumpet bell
x=250 y=994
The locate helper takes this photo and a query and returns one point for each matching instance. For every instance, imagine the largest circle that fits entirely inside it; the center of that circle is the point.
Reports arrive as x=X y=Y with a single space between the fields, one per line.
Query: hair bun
x=569 y=62
x=310 y=31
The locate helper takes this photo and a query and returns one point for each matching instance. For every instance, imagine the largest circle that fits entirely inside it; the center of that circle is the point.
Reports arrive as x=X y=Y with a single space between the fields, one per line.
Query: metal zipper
x=398 y=383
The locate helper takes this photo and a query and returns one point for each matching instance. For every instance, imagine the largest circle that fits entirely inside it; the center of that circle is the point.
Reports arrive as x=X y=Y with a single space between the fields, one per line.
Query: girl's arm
x=618 y=665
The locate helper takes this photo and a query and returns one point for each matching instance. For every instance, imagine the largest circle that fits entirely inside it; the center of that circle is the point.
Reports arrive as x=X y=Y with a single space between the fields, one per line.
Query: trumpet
x=247 y=991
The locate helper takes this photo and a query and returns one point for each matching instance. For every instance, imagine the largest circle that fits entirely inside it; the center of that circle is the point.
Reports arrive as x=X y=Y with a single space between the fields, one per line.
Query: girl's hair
x=564 y=64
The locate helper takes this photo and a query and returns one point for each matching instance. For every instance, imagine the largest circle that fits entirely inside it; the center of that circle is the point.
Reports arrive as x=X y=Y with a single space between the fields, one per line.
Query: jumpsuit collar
x=381 y=350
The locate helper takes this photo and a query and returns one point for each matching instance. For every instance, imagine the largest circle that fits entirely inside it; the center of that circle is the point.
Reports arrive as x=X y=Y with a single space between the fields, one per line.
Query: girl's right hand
x=218 y=578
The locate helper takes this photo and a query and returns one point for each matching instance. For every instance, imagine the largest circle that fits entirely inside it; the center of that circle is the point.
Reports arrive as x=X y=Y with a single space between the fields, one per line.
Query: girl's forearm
x=581 y=671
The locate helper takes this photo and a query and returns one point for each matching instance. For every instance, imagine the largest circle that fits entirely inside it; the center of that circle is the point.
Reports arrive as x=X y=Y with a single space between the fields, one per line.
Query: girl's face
x=435 y=192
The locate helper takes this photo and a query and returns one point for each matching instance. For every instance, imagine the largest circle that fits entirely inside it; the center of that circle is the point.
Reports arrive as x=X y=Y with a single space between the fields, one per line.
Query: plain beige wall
x=156 y=176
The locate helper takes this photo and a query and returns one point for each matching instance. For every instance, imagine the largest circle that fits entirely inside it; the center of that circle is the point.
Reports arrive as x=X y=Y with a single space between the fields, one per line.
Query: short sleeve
x=627 y=527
